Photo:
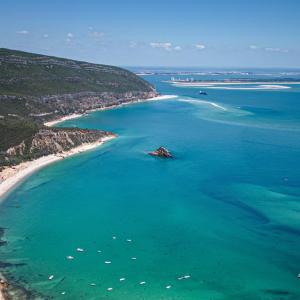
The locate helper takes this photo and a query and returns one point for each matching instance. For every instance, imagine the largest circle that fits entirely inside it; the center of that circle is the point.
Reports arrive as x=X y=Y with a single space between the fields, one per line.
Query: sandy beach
x=74 y=116
x=11 y=176
x=70 y=117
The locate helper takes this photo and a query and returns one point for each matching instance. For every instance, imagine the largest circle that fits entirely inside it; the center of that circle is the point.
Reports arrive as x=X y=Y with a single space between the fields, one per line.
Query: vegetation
x=35 y=88
x=27 y=74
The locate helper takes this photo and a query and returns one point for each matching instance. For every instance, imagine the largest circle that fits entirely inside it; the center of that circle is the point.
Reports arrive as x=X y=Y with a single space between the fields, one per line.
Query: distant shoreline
x=214 y=83
x=76 y=115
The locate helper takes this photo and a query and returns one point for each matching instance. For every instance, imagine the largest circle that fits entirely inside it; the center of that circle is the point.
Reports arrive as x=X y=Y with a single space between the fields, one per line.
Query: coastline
x=62 y=119
x=12 y=176
x=75 y=116
x=214 y=83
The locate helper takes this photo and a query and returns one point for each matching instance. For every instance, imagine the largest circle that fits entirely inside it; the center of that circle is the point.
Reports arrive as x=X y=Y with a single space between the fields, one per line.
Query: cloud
x=24 y=32
x=270 y=49
x=70 y=37
x=200 y=46
x=177 y=48
x=133 y=44
x=165 y=46
x=96 y=34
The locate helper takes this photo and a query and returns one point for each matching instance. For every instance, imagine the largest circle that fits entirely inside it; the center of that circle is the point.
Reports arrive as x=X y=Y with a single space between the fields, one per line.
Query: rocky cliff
x=51 y=141
x=45 y=87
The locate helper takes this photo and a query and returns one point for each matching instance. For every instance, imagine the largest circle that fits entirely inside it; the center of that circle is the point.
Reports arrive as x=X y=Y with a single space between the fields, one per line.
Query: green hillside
x=23 y=73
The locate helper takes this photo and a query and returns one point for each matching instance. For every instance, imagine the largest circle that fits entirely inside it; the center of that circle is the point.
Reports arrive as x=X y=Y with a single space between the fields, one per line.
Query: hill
x=28 y=74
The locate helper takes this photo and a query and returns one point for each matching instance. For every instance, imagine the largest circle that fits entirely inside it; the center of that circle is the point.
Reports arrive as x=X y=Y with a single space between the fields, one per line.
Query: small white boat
x=70 y=257
x=142 y=282
x=168 y=286
x=51 y=277
x=107 y=262
x=133 y=258
x=93 y=284
x=122 y=279
x=110 y=289
x=79 y=250
x=99 y=251
x=63 y=293
x=184 y=277
x=129 y=240
x=114 y=237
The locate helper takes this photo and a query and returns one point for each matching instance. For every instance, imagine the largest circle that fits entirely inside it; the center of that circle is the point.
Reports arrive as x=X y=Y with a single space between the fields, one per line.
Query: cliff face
x=50 y=107
x=45 y=87
x=81 y=102
x=52 y=141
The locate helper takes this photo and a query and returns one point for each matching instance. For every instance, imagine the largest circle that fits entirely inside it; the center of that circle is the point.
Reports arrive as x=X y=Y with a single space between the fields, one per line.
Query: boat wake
x=204 y=102
x=235 y=116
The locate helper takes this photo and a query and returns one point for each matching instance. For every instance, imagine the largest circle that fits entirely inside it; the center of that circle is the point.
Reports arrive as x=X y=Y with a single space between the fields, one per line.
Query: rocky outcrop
x=52 y=141
x=17 y=150
x=50 y=107
x=81 y=102
x=161 y=152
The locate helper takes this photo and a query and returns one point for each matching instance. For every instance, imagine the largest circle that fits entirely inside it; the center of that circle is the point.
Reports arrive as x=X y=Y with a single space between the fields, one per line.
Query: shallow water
x=225 y=211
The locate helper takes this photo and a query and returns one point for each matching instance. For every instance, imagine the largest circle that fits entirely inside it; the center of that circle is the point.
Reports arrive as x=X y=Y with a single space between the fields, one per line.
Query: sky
x=179 y=33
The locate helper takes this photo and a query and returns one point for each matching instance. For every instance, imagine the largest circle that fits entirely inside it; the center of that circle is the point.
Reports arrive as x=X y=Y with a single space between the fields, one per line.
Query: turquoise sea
x=225 y=211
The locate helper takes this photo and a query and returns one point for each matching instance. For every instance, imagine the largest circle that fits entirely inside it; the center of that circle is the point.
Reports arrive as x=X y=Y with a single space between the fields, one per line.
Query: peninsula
x=38 y=91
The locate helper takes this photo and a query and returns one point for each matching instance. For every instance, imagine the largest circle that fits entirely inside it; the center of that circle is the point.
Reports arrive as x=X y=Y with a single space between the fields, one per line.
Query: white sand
x=216 y=83
x=1 y=296
x=74 y=116
x=11 y=176
x=70 y=117
x=256 y=87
